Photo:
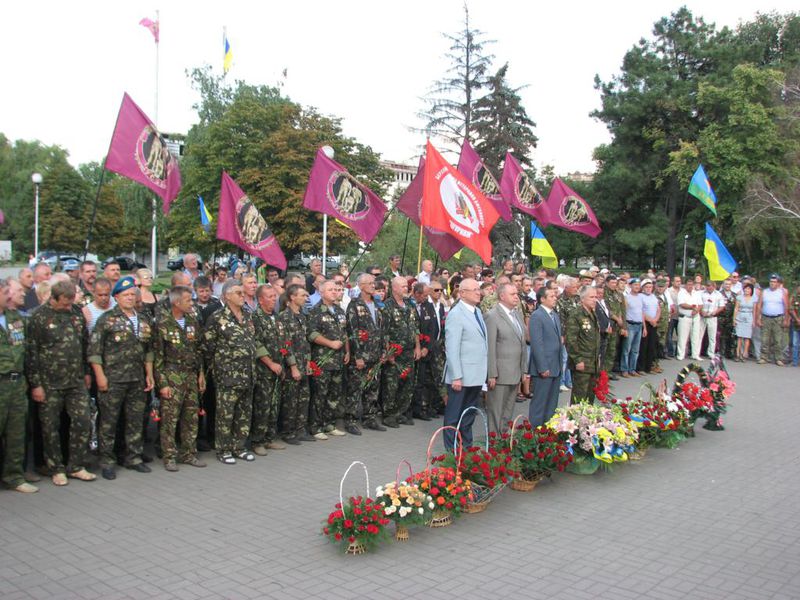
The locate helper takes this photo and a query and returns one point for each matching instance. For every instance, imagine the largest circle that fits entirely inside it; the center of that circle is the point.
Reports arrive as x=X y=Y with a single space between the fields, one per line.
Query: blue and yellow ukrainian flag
x=541 y=247
x=205 y=216
x=720 y=261
x=700 y=188
x=227 y=59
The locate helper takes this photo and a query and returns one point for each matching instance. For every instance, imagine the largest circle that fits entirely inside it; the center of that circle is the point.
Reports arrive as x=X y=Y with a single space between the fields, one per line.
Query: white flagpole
x=153 y=239
x=329 y=153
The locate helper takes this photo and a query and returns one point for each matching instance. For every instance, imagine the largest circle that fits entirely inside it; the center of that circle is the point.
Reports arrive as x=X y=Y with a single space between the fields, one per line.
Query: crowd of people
x=250 y=361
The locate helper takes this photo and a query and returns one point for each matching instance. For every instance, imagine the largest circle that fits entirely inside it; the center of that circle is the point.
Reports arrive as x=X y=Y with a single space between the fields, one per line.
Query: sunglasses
x=436 y=289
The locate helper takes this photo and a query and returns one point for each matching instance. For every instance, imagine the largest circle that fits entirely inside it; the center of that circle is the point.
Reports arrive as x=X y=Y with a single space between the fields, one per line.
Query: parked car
x=47 y=256
x=176 y=262
x=126 y=263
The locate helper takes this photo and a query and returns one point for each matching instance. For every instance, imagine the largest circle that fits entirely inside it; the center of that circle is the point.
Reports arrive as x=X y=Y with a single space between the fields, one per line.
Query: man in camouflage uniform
x=490 y=301
x=401 y=327
x=583 y=345
x=178 y=362
x=269 y=372
x=663 y=322
x=330 y=350
x=615 y=301
x=13 y=400
x=365 y=328
x=426 y=389
x=120 y=353
x=727 y=330
x=296 y=352
x=58 y=375
x=231 y=349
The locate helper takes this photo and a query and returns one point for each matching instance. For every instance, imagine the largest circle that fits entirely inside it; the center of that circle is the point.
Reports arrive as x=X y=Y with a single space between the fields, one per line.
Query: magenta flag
x=241 y=223
x=139 y=152
x=151 y=25
x=569 y=211
x=519 y=191
x=471 y=166
x=410 y=204
x=333 y=191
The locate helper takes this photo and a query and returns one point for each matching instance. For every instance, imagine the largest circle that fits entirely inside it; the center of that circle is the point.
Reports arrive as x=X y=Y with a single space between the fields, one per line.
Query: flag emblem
x=346 y=197
x=526 y=191
x=573 y=211
x=252 y=227
x=152 y=156
x=456 y=200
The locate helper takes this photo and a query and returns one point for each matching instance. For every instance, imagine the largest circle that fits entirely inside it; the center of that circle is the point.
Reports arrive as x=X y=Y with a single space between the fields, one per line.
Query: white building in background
x=403 y=174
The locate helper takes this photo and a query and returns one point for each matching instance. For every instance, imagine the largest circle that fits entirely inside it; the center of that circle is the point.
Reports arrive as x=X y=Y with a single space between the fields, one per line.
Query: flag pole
x=364 y=249
x=324 y=243
x=153 y=237
x=405 y=243
x=419 y=250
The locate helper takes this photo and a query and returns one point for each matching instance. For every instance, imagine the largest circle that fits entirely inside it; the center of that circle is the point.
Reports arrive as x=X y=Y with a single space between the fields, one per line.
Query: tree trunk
x=672 y=229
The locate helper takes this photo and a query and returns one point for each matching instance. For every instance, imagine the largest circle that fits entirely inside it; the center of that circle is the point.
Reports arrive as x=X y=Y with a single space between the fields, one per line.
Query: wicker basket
x=520 y=484
x=401 y=533
x=356 y=548
x=441 y=518
x=482 y=495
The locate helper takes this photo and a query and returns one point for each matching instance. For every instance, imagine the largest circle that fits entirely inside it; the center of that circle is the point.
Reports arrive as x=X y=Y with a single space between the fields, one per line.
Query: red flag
x=241 y=223
x=333 y=191
x=410 y=204
x=520 y=191
x=471 y=165
x=450 y=203
x=139 y=152
x=569 y=211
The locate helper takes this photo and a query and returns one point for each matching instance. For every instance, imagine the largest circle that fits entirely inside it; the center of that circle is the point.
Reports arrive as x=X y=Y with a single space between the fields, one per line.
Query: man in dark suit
x=507 y=356
x=425 y=389
x=545 y=362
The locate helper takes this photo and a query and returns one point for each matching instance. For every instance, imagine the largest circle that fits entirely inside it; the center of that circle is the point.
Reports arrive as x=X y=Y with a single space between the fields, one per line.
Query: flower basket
x=449 y=491
x=404 y=503
x=535 y=452
x=357 y=524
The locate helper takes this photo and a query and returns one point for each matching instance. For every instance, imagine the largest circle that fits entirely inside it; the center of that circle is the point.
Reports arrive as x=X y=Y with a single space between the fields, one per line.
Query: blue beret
x=123 y=284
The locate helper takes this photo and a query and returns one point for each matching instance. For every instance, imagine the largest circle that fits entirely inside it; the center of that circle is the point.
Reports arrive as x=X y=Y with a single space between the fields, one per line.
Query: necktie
x=514 y=320
x=480 y=322
x=555 y=322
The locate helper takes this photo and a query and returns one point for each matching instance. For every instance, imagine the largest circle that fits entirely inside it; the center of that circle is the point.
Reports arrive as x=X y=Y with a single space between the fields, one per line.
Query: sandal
x=60 y=479
x=227 y=459
x=83 y=475
x=248 y=456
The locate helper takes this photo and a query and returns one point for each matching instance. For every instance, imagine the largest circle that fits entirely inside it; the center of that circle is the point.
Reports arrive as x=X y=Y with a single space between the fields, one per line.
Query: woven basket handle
x=341 y=483
x=430 y=445
x=485 y=426
x=513 y=426
x=397 y=474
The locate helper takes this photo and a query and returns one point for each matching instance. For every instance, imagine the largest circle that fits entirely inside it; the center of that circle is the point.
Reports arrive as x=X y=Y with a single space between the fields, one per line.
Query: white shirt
x=686 y=297
x=424 y=277
x=512 y=315
x=736 y=288
x=712 y=302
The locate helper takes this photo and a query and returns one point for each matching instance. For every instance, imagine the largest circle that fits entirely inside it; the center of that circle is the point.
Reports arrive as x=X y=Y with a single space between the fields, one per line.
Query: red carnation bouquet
x=359 y=521
x=488 y=468
x=535 y=452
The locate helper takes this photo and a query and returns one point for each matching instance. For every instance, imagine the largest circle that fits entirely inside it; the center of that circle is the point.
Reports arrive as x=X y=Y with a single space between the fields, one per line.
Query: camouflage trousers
x=13 y=416
x=612 y=341
x=363 y=387
x=727 y=338
x=582 y=386
x=122 y=400
x=397 y=381
x=232 y=423
x=179 y=412
x=266 y=407
x=294 y=406
x=327 y=392
x=76 y=402
x=772 y=342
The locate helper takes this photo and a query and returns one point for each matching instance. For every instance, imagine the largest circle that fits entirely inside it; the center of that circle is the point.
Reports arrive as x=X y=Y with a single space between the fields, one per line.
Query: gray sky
x=68 y=63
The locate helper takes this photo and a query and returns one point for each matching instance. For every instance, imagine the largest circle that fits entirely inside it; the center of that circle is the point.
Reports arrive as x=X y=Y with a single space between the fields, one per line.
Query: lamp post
x=36 y=178
x=329 y=153
x=685 y=241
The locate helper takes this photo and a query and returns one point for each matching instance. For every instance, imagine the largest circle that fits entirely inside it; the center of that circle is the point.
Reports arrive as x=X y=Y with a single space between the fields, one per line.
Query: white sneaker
x=336 y=433
x=320 y=436
x=564 y=388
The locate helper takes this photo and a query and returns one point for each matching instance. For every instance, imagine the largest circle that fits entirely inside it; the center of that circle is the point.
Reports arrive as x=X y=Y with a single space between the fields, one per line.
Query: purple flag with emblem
x=519 y=191
x=333 y=191
x=240 y=222
x=471 y=166
x=410 y=204
x=569 y=211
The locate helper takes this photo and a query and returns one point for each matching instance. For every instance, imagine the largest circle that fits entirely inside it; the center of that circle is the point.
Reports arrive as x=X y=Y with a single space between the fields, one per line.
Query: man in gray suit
x=545 y=362
x=465 y=371
x=507 y=356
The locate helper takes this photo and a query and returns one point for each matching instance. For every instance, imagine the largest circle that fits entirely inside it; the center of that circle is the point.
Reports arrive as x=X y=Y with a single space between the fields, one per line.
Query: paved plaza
x=711 y=519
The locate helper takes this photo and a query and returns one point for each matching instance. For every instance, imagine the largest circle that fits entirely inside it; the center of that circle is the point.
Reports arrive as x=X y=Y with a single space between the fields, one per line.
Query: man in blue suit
x=545 y=361
x=466 y=348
